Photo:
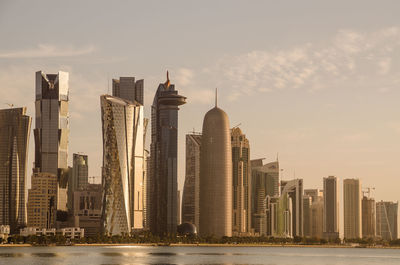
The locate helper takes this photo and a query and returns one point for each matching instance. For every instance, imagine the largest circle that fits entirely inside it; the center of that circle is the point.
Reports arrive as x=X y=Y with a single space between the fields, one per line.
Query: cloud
x=348 y=59
x=47 y=50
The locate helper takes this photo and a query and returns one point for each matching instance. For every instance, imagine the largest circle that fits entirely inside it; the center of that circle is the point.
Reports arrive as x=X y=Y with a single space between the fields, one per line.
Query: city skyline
x=322 y=96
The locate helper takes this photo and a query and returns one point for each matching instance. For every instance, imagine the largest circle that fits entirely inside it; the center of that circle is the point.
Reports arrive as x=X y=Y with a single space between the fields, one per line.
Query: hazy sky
x=316 y=82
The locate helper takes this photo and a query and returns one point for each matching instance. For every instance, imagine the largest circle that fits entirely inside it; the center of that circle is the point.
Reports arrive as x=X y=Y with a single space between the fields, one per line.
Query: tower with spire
x=216 y=175
x=163 y=183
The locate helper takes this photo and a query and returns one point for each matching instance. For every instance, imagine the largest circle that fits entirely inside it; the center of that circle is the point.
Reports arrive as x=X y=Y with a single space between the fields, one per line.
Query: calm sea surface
x=124 y=255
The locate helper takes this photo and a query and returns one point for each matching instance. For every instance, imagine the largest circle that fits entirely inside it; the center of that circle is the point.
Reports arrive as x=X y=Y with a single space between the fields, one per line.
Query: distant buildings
x=123 y=165
x=163 y=183
x=126 y=88
x=331 y=208
x=191 y=195
x=216 y=175
x=15 y=128
x=87 y=209
x=42 y=198
x=294 y=189
x=368 y=217
x=52 y=130
x=307 y=218
x=264 y=182
x=386 y=220
x=352 y=208
x=78 y=176
x=278 y=217
x=241 y=180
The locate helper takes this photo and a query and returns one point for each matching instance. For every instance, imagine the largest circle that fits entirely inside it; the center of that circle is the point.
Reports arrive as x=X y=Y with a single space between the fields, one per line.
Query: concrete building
x=241 y=181
x=42 y=199
x=4 y=232
x=294 y=188
x=78 y=177
x=14 y=142
x=352 y=208
x=191 y=195
x=278 y=217
x=331 y=208
x=129 y=89
x=52 y=130
x=123 y=165
x=163 y=182
x=317 y=216
x=264 y=182
x=216 y=175
x=72 y=232
x=307 y=217
x=368 y=217
x=87 y=209
x=35 y=231
x=386 y=220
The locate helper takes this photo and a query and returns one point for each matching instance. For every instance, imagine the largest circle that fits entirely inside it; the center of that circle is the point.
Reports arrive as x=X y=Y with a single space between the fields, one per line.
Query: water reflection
x=11 y=255
x=45 y=255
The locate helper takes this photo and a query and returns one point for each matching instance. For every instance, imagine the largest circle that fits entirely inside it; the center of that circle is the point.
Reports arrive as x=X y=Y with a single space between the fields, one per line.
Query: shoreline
x=200 y=245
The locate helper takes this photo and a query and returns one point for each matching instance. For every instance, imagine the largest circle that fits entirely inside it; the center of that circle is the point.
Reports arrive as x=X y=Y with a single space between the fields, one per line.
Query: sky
x=316 y=82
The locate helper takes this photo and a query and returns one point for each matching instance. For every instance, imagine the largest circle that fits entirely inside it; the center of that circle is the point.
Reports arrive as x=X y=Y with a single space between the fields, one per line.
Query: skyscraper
x=190 y=198
x=15 y=128
x=241 y=222
x=123 y=162
x=352 y=208
x=368 y=217
x=163 y=181
x=294 y=188
x=52 y=130
x=216 y=175
x=42 y=199
x=331 y=208
x=307 y=218
x=128 y=89
x=386 y=220
x=316 y=212
x=264 y=182
x=78 y=176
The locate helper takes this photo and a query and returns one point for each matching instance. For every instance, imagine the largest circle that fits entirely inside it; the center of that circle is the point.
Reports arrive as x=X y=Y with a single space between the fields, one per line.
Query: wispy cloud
x=348 y=59
x=47 y=50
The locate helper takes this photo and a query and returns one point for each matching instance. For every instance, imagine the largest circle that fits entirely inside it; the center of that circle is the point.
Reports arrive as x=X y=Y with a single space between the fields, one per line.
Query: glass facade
x=14 y=141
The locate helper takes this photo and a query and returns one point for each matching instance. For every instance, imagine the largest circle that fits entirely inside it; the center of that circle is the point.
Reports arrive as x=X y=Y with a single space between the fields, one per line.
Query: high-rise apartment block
x=216 y=175
x=123 y=165
x=264 y=182
x=352 y=208
x=386 y=220
x=316 y=213
x=14 y=142
x=78 y=176
x=52 y=130
x=368 y=217
x=42 y=198
x=163 y=182
x=241 y=179
x=191 y=195
x=331 y=208
x=294 y=188
x=307 y=218
x=129 y=89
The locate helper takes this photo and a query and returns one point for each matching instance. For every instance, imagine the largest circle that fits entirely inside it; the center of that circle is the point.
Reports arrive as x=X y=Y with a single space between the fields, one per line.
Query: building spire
x=167 y=83
x=216 y=97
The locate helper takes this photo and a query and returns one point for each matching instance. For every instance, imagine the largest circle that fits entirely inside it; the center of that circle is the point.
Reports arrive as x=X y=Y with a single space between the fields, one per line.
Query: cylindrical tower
x=216 y=175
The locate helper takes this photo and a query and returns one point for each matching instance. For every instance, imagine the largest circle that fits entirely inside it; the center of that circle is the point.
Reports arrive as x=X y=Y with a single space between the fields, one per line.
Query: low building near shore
x=68 y=232
x=4 y=231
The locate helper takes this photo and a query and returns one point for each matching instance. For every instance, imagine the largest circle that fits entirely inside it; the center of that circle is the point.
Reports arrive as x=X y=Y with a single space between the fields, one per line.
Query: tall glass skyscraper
x=15 y=128
x=352 y=208
x=241 y=182
x=52 y=130
x=163 y=183
x=331 y=208
x=190 y=198
x=123 y=165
